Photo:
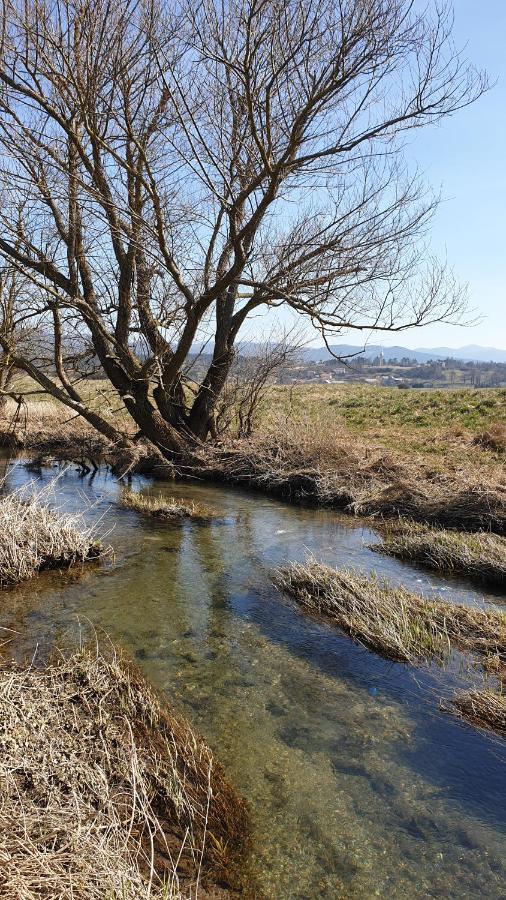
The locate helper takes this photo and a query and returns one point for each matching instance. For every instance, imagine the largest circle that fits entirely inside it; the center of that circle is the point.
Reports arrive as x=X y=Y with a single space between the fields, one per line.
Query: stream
x=359 y=785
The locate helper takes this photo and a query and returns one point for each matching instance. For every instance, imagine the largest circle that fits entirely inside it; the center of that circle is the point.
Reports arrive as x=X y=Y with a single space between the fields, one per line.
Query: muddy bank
x=104 y=792
x=379 y=488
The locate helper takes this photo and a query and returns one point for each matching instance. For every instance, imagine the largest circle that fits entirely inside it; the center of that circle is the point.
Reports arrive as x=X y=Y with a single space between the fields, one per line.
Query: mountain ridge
x=468 y=353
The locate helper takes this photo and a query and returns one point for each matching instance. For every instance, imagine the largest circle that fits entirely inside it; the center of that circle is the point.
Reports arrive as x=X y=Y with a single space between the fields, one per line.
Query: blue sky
x=466 y=156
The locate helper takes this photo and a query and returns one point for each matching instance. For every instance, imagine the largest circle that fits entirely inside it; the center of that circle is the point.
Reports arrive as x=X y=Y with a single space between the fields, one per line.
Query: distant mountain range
x=471 y=353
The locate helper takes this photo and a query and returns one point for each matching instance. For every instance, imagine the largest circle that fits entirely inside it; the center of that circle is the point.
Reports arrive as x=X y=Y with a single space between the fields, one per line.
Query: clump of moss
x=34 y=537
x=480 y=556
x=166 y=508
x=390 y=620
x=103 y=793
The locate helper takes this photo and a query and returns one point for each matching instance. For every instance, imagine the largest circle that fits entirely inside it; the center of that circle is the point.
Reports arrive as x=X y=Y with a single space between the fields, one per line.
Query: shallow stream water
x=359 y=785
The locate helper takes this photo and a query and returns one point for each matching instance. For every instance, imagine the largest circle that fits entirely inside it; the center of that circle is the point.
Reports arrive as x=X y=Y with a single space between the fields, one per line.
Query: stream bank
x=358 y=785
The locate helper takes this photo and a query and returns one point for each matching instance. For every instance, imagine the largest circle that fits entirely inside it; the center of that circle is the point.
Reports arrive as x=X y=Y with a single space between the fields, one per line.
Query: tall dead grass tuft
x=483 y=709
x=494 y=438
x=105 y=794
x=390 y=620
x=34 y=537
x=480 y=555
x=166 y=508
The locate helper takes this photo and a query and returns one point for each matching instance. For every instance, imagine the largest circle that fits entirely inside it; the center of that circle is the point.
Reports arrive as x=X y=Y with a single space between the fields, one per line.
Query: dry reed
x=481 y=555
x=483 y=709
x=166 y=508
x=390 y=620
x=34 y=537
x=103 y=794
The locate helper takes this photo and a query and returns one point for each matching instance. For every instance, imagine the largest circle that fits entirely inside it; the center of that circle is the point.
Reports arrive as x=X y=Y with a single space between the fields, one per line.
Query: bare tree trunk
x=203 y=409
x=135 y=215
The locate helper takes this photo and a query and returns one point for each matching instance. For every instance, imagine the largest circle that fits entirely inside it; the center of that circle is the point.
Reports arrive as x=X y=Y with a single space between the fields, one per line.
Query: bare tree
x=184 y=165
x=9 y=296
x=251 y=374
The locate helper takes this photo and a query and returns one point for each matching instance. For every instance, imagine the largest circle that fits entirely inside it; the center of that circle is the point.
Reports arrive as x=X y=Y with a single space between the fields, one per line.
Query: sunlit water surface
x=359 y=785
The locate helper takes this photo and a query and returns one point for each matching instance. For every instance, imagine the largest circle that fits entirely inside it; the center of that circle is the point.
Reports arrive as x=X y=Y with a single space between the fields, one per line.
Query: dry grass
x=390 y=620
x=166 y=508
x=437 y=427
x=483 y=709
x=34 y=537
x=370 y=451
x=481 y=556
x=103 y=794
x=494 y=438
x=331 y=469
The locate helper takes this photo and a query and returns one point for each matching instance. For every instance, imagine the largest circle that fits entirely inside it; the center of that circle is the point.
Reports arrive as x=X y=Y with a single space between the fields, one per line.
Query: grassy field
x=443 y=427
x=425 y=422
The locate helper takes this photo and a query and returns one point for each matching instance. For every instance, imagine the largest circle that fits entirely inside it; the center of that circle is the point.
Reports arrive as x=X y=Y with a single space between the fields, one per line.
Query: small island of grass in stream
x=480 y=556
x=166 y=508
x=390 y=620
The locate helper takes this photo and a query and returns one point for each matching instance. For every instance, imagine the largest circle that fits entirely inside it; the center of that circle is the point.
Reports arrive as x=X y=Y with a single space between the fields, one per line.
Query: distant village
x=402 y=373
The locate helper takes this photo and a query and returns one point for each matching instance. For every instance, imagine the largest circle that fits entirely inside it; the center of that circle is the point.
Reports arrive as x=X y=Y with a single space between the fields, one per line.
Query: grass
x=34 y=537
x=432 y=456
x=483 y=709
x=166 y=508
x=327 y=467
x=480 y=556
x=401 y=421
x=392 y=621
x=104 y=794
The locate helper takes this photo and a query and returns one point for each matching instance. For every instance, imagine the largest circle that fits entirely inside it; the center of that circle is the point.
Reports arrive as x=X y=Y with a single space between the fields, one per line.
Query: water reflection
x=359 y=786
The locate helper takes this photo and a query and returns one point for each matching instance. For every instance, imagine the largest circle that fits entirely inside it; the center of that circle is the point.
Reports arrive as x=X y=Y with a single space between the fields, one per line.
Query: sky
x=465 y=158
